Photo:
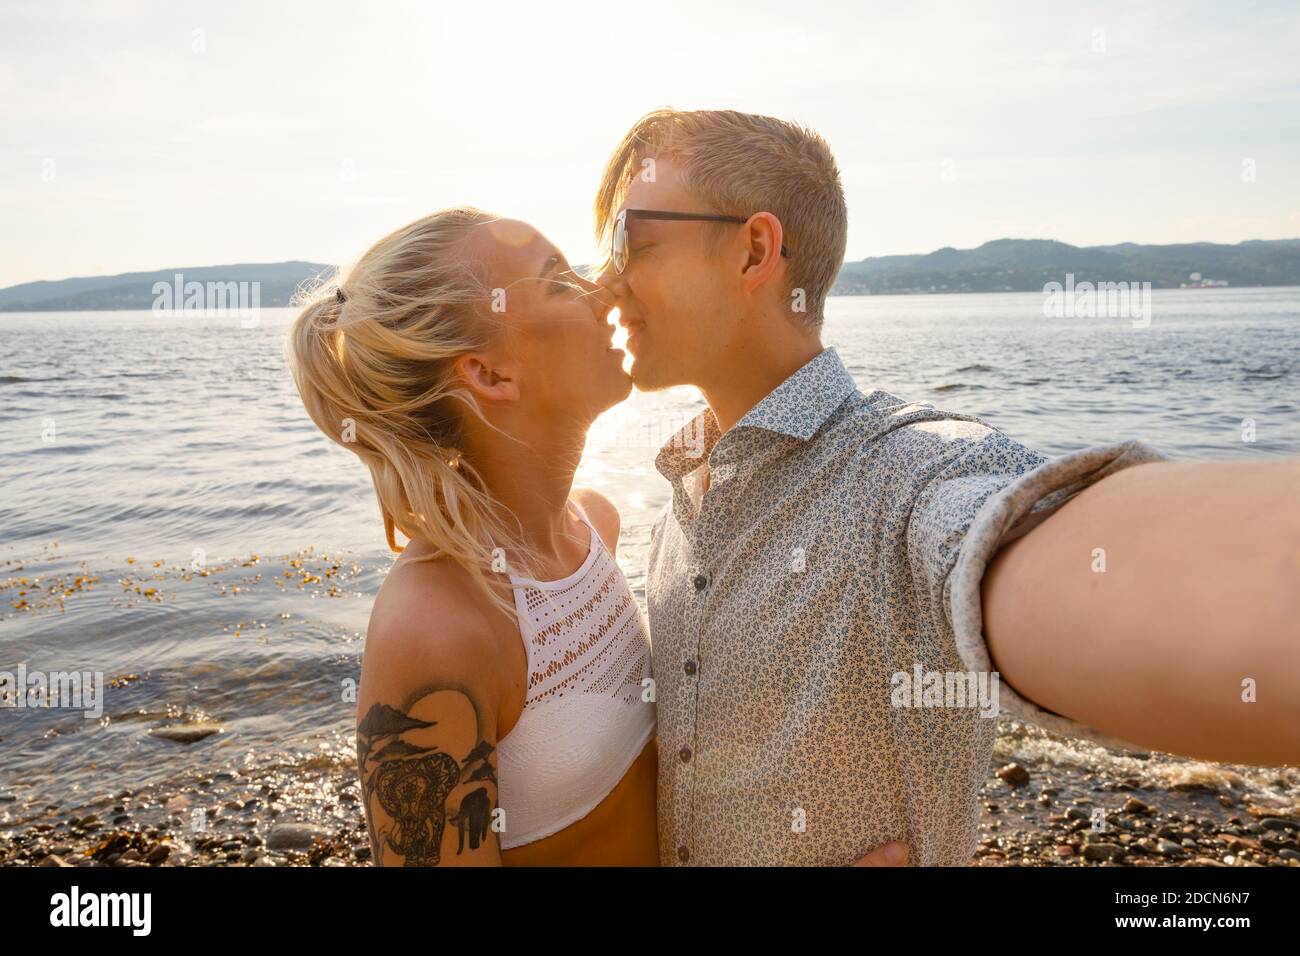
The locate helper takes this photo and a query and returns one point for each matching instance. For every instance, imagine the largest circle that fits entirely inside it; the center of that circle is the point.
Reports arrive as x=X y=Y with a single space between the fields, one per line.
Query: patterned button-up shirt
x=805 y=607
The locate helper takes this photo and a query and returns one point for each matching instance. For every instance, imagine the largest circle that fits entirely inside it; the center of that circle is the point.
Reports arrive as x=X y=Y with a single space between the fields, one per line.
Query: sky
x=142 y=136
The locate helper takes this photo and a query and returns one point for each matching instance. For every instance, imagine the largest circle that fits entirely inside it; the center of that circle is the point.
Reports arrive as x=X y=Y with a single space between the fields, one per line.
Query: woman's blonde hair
x=372 y=355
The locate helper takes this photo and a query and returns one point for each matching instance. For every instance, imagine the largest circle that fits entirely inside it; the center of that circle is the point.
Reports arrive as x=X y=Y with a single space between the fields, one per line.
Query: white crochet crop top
x=584 y=721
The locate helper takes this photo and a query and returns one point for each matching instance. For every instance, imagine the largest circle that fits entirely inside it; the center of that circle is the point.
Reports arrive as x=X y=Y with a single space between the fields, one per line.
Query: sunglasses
x=621 y=251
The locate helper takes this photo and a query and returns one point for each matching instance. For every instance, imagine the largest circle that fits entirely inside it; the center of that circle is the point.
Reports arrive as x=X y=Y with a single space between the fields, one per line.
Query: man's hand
x=891 y=854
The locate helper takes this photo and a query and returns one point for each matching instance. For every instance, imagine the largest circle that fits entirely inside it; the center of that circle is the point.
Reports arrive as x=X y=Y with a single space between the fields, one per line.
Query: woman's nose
x=600 y=299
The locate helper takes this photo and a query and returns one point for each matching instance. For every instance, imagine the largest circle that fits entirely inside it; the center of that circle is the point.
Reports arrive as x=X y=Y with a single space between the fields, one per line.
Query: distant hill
x=134 y=290
x=1003 y=265
x=1026 y=265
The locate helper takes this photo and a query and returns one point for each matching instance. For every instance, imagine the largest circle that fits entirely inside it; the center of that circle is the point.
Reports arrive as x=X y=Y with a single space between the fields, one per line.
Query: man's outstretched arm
x=1150 y=606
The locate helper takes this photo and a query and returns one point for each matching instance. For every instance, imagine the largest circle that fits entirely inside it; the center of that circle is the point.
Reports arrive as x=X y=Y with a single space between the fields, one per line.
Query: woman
x=505 y=713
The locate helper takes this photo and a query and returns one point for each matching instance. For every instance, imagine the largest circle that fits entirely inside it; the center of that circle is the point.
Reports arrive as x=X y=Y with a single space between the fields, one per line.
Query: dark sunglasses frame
x=620 y=253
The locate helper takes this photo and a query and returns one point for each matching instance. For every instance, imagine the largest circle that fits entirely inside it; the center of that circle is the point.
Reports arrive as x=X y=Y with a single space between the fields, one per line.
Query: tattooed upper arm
x=428 y=776
x=426 y=738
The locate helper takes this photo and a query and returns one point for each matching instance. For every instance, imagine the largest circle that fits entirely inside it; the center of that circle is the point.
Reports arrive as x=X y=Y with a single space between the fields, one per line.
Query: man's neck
x=755 y=371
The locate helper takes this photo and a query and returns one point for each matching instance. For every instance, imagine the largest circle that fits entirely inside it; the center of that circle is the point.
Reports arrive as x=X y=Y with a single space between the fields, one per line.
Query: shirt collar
x=798 y=407
x=689 y=448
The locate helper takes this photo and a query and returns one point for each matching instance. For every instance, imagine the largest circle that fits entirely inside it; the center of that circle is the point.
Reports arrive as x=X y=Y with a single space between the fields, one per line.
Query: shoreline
x=1035 y=811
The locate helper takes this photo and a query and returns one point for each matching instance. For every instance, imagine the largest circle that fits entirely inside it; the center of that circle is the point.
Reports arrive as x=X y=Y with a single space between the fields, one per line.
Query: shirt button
x=689 y=667
x=683 y=854
x=685 y=754
x=700 y=581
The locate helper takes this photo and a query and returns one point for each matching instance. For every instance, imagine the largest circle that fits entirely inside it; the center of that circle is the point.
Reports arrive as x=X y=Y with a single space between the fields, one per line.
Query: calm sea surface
x=171 y=517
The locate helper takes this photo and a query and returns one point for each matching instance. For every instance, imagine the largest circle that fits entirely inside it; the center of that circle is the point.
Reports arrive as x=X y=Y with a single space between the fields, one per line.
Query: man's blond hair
x=740 y=164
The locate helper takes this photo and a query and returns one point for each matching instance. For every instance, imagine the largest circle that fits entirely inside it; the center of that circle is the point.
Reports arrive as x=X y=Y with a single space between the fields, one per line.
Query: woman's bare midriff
x=620 y=831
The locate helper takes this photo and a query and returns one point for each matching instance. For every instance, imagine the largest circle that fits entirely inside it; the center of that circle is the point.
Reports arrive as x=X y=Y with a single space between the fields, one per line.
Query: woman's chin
x=620 y=389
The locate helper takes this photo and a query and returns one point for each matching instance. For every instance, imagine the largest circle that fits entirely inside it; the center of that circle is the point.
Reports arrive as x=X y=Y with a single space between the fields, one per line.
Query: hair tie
x=338 y=294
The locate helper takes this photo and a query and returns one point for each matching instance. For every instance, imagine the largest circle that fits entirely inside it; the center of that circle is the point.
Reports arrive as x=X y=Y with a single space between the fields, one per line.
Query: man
x=827 y=552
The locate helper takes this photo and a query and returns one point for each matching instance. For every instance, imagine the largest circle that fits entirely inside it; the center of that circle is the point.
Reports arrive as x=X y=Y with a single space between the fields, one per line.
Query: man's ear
x=485 y=379
x=763 y=236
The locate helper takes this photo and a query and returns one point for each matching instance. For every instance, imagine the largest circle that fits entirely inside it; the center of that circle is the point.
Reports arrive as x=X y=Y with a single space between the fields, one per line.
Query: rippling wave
x=172 y=518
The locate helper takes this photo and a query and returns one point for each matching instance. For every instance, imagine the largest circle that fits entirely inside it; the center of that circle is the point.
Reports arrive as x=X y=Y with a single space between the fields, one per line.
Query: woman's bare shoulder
x=430 y=616
x=602 y=513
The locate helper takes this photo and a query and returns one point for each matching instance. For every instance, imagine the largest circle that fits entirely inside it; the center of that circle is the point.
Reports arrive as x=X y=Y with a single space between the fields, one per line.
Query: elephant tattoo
x=413 y=783
x=414 y=793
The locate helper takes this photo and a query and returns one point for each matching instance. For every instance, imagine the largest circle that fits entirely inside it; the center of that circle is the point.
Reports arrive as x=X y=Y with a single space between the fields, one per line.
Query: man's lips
x=617 y=340
x=634 y=330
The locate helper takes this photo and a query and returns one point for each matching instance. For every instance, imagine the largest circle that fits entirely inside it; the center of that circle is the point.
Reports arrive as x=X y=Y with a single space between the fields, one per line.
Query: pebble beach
x=1035 y=813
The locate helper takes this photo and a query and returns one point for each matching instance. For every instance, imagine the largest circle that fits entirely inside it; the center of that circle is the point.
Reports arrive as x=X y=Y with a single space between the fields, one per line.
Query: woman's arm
x=427 y=733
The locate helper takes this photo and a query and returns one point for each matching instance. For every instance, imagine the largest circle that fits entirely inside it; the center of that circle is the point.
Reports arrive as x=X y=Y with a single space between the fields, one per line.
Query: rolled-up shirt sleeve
x=993 y=492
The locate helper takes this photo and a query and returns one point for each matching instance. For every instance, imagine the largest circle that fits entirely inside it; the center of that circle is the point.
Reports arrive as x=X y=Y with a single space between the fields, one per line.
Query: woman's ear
x=485 y=379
